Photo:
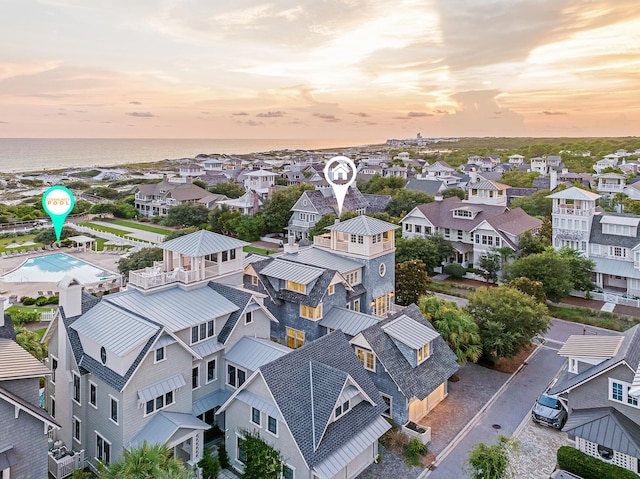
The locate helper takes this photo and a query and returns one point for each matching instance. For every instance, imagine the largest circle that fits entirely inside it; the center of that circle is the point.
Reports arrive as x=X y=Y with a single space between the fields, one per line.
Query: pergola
x=82 y=240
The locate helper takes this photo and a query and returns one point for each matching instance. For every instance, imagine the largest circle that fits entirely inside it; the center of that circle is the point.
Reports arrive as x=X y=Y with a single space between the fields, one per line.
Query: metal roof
x=210 y=346
x=574 y=193
x=202 y=243
x=164 y=340
x=488 y=185
x=296 y=272
x=252 y=353
x=160 y=388
x=410 y=332
x=176 y=308
x=17 y=363
x=360 y=441
x=323 y=259
x=620 y=220
x=118 y=330
x=579 y=345
x=164 y=425
x=605 y=426
x=363 y=225
x=615 y=267
x=350 y=322
x=210 y=401
x=257 y=402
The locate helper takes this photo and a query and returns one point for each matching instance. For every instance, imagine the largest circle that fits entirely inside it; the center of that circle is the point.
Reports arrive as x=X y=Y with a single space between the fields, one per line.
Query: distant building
x=156 y=199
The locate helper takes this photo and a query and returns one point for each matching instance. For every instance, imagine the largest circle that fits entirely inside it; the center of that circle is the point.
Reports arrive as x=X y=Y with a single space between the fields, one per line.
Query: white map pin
x=337 y=172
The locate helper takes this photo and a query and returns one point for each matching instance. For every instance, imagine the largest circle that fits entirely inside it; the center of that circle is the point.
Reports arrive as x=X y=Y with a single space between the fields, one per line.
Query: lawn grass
x=255 y=249
x=15 y=309
x=40 y=332
x=20 y=239
x=140 y=226
x=593 y=318
x=106 y=229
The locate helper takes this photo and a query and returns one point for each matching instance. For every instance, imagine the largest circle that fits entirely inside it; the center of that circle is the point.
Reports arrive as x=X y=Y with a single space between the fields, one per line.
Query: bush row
x=581 y=464
x=39 y=301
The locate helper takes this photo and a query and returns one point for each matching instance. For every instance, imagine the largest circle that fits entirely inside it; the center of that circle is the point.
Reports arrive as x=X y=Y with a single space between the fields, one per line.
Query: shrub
x=394 y=439
x=52 y=300
x=210 y=465
x=223 y=457
x=455 y=269
x=413 y=450
x=41 y=300
x=581 y=464
x=28 y=301
x=23 y=316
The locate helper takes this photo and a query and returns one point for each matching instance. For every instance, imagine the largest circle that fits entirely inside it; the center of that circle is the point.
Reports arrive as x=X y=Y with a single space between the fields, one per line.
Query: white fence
x=609 y=297
x=114 y=237
x=48 y=315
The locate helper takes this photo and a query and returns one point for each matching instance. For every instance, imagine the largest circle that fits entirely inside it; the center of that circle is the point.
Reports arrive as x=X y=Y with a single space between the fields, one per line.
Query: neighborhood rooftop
x=202 y=243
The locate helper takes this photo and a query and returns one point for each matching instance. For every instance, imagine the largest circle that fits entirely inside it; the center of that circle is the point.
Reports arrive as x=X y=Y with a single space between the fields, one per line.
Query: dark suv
x=549 y=411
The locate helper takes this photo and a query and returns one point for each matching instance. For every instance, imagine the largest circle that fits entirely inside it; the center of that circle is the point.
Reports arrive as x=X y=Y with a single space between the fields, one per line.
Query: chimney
x=438 y=196
x=70 y=296
x=473 y=176
x=336 y=221
x=164 y=178
x=1 y=311
x=553 y=180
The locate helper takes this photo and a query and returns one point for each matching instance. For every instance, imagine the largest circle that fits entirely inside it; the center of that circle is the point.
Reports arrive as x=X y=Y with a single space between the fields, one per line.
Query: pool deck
x=108 y=262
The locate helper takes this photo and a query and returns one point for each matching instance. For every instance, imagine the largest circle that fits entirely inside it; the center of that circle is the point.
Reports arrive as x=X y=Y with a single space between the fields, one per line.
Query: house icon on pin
x=340 y=172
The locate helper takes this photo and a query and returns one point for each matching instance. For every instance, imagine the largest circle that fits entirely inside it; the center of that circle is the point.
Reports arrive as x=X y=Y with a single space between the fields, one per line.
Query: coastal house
x=260 y=182
x=24 y=424
x=607 y=161
x=409 y=363
x=487 y=193
x=248 y=204
x=611 y=183
x=191 y=170
x=317 y=406
x=599 y=386
x=156 y=199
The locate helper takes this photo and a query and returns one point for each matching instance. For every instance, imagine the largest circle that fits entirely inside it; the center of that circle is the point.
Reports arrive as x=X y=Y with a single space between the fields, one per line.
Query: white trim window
x=423 y=353
x=203 y=331
x=295 y=338
x=272 y=425
x=76 y=429
x=103 y=449
x=248 y=317
x=159 y=355
x=367 y=358
x=235 y=376
x=341 y=409
x=54 y=367
x=76 y=388
x=113 y=409
x=388 y=401
x=254 y=280
x=93 y=394
x=159 y=402
x=619 y=392
x=256 y=416
x=195 y=377
x=212 y=371
x=288 y=472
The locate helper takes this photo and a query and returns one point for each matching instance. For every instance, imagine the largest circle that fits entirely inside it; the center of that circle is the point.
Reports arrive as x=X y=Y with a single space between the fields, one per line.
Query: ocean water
x=29 y=154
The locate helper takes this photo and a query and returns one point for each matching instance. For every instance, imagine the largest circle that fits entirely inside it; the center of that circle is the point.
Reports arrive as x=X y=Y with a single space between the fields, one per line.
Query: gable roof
x=574 y=193
x=251 y=353
x=17 y=363
x=305 y=385
x=290 y=271
x=420 y=381
x=429 y=186
x=165 y=424
x=239 y=298
x=324 y=201
x=202 y=243
x=488 y=185
x=514 y=222
x=321 y=258
x=596 y=236
x=440 y=213
x=348 y=321
x=409 y=331
x=363 y=225
x=29 y=408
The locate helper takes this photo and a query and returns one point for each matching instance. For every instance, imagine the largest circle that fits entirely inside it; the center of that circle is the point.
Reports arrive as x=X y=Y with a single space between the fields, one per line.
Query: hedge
x=588 y=467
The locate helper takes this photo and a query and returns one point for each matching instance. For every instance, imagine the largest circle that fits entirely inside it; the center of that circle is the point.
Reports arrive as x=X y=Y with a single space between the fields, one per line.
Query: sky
x=334 y=69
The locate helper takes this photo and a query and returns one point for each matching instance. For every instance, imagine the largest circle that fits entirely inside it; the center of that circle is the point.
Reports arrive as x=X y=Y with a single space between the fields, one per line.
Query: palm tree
x=505 y=253
x=149 y=461
x=30 y=341
x=455 y=326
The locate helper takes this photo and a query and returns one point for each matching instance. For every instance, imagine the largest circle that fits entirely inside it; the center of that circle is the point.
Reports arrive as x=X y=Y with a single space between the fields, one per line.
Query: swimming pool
x=53 y=267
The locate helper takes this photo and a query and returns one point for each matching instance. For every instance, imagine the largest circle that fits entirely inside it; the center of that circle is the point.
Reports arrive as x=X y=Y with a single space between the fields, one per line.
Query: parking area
x=538 y=446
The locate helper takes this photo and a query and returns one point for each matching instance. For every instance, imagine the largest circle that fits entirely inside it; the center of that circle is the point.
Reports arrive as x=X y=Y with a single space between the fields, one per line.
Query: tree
x=492 y=461
x=124 y=210
x=249 y=228
x=138 y=260
x=377 y=184
x=536 y=205
x=48 y=236
x=81 y=206
x=201 y=184
x=531 y=244
x=455 y=326
x=527 y=286
x=411 y=281
x=229 y=189
x=106 y=208
x=224 y=221
x=405 y=200
x=631 y=206
x=181 y=232
x=261 y=461
x=210 y=465
x=451 y=192
x=187 y=214
x=30 y=342
x=519 y=179
x=455 y=269
x=322 y=223
x=490 y=265
x=508 y=320
x=277 y=210
x=149 y=461
x=553 y=271
x=582 y=268
x=432 y=250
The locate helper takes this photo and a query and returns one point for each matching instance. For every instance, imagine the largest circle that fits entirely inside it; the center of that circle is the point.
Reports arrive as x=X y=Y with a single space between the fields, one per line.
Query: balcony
x=62 y=463
x=302 y=224
x=574 y=235
x=562 y=210
x=154 y=276
x=611 y=187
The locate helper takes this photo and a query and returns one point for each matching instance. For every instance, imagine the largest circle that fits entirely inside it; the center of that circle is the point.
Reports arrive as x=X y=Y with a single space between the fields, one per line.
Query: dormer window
x=297 y=287
x=367 y=358
x=423 y=353
x=309 y=312
x=342 y=409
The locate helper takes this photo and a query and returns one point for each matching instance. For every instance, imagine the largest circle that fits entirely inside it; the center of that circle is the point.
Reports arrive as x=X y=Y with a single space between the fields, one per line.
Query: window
x=52 y=410
x=232 y=254
x=367 y=358
x=408 y=227
x=235 y=376
x=360 y=239
x=295 y=338
x=382 y=269
x=211 y=328
x=76 y=424
x=616 y=391
x=194 y=334
x=332 y=289
x=160 y=355
x=631 y=399
x=241 y=454
x=423 y=353
x=76 y=388
x=352 y=278
x=287 y=472
x=356 y=305
x=460 y=235
x=353 y=238
x=114 y=409
x=248 y=317
x=93 y=395
x=254 y=280
x=225 y=256
x=159 y=402
x=211 y=371
x=341 y=409
x=381 y=304
x=255 y=416
x=477 y=239
x=149 y=407
x=447 y=232
x=297 y=287
x=272 y=425
x=54 y=367
x=388 y=401
x=311 y=313
x=203 y=331
x=103 y=450
x=195 y=377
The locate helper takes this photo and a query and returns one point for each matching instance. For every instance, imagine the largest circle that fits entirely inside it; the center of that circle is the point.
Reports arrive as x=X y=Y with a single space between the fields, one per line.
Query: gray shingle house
x=600 y=387
x=409 y=363
x=24 y=425
x=316 y=405
x=155 y=199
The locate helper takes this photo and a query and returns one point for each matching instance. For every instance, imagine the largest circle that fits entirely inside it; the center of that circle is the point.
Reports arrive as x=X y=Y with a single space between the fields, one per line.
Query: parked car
x=549 y=411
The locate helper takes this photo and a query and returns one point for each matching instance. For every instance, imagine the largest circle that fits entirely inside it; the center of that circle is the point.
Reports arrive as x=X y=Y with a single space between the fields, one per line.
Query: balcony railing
x=610 y=187
x=154 y=276
x=573 y=211
x=571 y=234
x=62 y=464
x=303 y=224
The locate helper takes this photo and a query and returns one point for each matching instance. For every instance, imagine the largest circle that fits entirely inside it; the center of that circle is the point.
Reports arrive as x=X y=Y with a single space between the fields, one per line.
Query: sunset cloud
x=141 y=114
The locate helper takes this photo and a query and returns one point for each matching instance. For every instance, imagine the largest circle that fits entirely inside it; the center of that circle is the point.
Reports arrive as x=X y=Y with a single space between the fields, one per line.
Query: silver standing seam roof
x=16 y=363
x=322 y=259
x=348 y=321
x=363 y=225
x=295 y=272
x=410 y=332
x=160 y=388
x=164 y=425
x=175 y=308
x=202 y=243
x=252 y=353
x=256 y=401
x=210 y=401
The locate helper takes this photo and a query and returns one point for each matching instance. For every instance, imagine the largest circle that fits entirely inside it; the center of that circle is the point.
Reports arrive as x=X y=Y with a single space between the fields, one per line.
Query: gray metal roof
x=164 y=340
x=202 y=243
x=208 y=347
x=257 y=402
x=348 y=321
x=160 y=388
x=237 y=297
x=164 y=425
x=176 y=308
x=290 y=271
x=17 y=363
x=118 y=330
x=410 y=332
x=574 y=193
x=360 y=441
x=615 y=267
x=363 y=225
x=251 y=353
x=323 y=259
x=210 y=401
x=605 y=426
x=579 y=345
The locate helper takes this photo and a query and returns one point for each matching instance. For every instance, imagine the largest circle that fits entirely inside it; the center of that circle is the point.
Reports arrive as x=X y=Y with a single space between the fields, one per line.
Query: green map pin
x=58 y=202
